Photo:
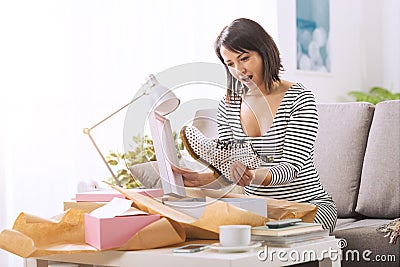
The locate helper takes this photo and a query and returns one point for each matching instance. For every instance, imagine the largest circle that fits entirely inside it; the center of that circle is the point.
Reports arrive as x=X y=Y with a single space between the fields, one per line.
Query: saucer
x=217 y=246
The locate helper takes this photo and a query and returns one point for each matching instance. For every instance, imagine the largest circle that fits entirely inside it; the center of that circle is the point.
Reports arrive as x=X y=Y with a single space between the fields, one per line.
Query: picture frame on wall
x=313 y=52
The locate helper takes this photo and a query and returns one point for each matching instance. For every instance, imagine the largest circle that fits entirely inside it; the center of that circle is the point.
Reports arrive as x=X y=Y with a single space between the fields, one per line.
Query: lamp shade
x=162 y=100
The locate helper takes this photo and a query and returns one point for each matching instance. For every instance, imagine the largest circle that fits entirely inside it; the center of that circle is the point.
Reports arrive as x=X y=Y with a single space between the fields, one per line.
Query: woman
x=278 y=117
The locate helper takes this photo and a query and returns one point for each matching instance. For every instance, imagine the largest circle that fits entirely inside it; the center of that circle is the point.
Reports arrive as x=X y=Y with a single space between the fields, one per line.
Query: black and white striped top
x=289 y=144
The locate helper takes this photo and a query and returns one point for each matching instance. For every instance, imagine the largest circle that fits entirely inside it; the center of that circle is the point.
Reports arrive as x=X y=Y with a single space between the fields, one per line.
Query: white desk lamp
x=161 y=99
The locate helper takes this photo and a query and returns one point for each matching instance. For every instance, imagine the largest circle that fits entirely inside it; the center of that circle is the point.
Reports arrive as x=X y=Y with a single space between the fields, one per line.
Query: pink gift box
x=107 y=233
x=108 y=195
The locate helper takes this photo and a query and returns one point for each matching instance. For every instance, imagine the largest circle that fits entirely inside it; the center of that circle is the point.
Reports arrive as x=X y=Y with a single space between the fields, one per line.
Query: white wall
x=364 y=46
x=38 y=130
x=390 y=44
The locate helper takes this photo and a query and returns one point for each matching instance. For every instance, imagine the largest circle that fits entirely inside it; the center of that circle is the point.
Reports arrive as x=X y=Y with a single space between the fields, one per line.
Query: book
x=298 y=243
x=290 y=240
x=298 y=228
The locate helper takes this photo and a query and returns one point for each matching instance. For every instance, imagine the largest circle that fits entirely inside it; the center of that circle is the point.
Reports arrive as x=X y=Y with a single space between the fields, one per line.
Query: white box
x=255 y=205
x=196 y=207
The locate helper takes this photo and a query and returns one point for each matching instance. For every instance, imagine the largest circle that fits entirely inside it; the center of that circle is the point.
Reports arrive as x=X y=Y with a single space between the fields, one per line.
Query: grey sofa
x=357 y=154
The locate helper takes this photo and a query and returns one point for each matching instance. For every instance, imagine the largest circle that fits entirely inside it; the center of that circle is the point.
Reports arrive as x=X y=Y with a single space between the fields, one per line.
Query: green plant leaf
x=125 y=179
x=375 y=95
x=112 y=162
x=112 y=154
x=123 y=171
x=381 y=93
x=362 y=96
x=376 y=90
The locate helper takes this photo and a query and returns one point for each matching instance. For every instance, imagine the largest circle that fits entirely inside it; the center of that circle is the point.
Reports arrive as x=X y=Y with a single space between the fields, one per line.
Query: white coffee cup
x=234 y=235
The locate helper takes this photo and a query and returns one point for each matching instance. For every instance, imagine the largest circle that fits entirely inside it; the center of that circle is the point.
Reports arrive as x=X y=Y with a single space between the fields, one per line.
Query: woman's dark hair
x=243 y=35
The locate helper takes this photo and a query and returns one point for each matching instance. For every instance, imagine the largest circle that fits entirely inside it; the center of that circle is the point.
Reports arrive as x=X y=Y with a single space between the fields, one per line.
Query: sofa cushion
x=380 y=179
x=343 y=222
x=368 y=242
x=349 y=223
x=339 y=150
x=147 y=173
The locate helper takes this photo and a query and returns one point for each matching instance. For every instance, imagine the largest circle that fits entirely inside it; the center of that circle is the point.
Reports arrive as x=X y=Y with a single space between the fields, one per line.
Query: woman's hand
x=241 y=174
x=194 y=179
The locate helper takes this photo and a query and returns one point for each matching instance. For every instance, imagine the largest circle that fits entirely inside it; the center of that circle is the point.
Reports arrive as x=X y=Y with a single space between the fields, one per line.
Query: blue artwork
x=312 y=24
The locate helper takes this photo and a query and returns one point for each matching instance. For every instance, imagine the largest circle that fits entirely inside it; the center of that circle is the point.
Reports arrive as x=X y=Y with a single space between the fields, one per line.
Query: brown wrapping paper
x=221 y=213
x=32 y=236
x=161 y=233
x=284 y=209
x=277 y=209
x=206 y=227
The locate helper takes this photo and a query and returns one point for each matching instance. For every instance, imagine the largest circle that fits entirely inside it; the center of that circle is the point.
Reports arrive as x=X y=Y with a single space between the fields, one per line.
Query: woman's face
x=246 y=66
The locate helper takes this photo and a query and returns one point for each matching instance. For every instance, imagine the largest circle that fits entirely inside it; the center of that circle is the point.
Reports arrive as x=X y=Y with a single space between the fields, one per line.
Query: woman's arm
x=195 y=179
x=244 y=176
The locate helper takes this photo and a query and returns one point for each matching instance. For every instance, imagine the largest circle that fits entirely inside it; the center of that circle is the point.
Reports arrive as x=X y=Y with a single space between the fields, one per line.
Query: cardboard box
x=112 y=225
x=108 y=195
x=86 y=206
x=196 y=207
x=255 y=205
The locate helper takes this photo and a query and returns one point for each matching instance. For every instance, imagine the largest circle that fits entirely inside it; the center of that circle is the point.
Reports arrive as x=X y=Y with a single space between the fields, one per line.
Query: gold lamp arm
x=88 y=130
